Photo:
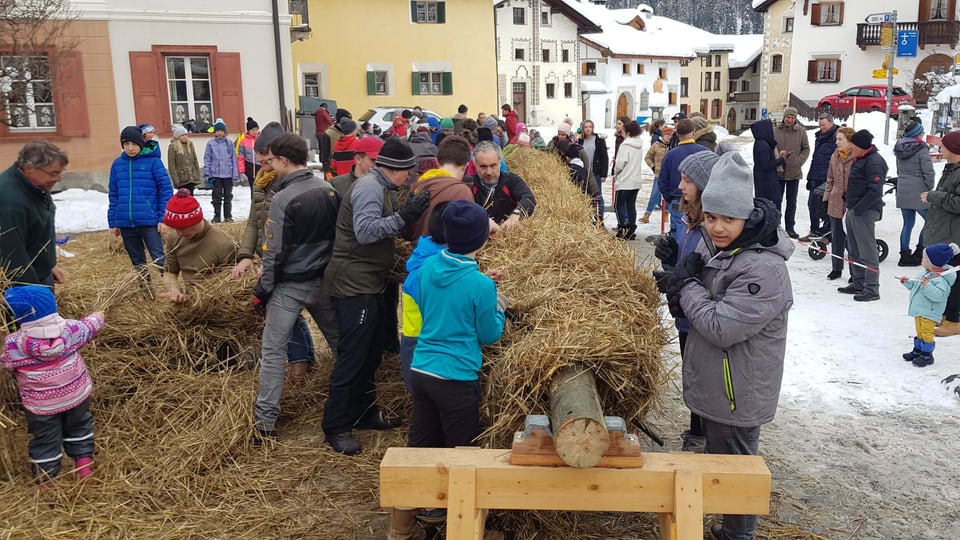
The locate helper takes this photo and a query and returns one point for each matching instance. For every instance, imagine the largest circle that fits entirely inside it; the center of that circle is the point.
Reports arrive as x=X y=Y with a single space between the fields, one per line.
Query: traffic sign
x=907 y=42
x=882 y=73
x=877 y=18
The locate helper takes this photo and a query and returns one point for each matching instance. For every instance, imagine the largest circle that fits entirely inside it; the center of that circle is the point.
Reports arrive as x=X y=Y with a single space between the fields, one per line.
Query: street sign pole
x=886 y=123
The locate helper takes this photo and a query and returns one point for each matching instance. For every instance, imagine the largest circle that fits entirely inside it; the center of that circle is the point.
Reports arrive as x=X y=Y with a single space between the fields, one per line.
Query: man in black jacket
x=298 y=244
x=824 y=146
x=504 y=195
x=864 y=200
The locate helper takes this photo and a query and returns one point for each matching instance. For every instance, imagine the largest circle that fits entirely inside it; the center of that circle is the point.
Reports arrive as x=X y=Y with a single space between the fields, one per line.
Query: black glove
x=665 y=249
x=415 y=207
x=673 y=303
x=664 y=278
x=688 y=270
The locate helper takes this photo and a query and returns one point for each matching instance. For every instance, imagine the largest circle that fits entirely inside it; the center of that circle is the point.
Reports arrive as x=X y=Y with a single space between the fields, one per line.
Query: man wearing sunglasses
x=28 y=250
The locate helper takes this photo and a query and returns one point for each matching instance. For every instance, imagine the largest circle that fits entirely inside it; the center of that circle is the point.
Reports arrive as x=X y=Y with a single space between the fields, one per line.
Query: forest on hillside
x=723 y=17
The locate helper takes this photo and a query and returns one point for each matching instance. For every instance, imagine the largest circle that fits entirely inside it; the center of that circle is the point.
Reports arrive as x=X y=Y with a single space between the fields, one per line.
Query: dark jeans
x=600 y=206
x=952 y=312
x=352 y=388
x=819 y=221
x=300 y=347
x=70 y=430
x=724 y=439
x=626 y=207
x=407 y=345
x=134 y=241
x=222 y=193
x=838 y=244
x=446 y=413
x=788 y=191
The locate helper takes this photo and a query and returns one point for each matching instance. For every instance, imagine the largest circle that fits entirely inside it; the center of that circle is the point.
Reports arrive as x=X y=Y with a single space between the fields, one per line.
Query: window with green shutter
x=376 y=83
x=432 y=83
x=428 y=12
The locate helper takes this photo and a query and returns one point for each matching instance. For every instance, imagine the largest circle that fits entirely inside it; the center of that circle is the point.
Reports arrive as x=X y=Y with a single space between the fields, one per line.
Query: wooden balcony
x=743 y=97
x=299 y=20
x=930 y=33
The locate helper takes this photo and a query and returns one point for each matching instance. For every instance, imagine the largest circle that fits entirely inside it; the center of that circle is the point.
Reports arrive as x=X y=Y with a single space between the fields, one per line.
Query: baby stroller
x=818 y=245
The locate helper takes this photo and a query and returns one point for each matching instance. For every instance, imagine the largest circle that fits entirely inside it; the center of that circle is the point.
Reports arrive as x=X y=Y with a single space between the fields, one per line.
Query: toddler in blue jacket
x=928 y=299
x=139 y=190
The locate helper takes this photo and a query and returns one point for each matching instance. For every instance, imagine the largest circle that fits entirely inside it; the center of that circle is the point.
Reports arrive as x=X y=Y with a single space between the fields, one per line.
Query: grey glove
x=244 y=179
x=502 y=302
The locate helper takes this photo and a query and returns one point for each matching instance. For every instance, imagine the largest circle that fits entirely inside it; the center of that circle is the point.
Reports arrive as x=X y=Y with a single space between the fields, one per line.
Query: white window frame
x=830 y=13
x=523 y=16
x=315 y=85
x=545 y=18
x=193 y=105
x=431 y=83
x=387 y=70
x=773 y=65
x=827 y=70
x=424 y=11
x=35 y=112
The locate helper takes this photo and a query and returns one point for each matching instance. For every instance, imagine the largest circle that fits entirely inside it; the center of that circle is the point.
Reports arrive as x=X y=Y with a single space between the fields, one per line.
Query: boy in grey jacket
x=735 y=291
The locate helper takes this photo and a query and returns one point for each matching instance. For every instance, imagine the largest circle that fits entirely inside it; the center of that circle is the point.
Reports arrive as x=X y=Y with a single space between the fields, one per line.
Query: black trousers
x=70 y=430
x=352 y=384
x=446 y=413
x=952 y=312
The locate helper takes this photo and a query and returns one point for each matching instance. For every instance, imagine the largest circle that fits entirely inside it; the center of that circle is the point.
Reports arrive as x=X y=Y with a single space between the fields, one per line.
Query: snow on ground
x=864 y=444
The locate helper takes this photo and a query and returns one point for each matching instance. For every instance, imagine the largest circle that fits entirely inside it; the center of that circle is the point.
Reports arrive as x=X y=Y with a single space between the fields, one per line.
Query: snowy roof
x=762 y=5
x=593 y=87
x=568 y=8
x=947 y=93
x=658 y=36
x=746 y=49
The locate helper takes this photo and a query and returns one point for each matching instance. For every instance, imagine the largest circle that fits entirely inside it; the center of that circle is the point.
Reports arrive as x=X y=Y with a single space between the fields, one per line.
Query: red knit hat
x=183 y=211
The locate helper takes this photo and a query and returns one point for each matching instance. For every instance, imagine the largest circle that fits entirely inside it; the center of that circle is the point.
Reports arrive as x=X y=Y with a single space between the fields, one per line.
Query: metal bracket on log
x=535 y=444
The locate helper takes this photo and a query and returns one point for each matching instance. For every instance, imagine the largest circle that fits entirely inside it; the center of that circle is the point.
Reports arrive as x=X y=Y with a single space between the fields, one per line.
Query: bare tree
x=35 y=46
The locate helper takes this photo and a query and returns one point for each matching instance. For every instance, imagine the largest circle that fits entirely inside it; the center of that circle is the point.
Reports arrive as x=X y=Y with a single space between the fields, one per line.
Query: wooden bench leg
x=688 y=504
x=464 y=520
x=668 y=527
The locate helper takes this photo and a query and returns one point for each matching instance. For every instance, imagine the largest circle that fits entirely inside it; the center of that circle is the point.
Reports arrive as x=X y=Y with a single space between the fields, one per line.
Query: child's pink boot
x=84 y=467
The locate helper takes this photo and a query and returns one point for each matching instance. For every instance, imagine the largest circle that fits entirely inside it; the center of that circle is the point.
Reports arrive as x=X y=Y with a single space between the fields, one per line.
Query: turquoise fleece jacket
x=459 y=308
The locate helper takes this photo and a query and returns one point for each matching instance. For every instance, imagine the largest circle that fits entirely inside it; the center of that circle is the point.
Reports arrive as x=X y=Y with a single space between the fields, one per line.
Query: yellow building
x=437 y=54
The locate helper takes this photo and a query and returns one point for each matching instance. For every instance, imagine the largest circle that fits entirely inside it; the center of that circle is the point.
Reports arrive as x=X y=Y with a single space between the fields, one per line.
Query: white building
x=743 y=97
x=537 y=58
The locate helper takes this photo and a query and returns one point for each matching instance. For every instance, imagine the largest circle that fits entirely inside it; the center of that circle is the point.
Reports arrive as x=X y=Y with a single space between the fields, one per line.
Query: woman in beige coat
x=836 y=186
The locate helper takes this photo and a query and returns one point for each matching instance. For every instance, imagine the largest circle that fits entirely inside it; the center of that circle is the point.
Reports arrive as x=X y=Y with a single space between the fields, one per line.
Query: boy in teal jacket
x=928 y=299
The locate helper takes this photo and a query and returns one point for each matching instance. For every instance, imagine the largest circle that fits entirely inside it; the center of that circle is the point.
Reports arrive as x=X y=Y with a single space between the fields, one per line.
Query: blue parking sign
x=907 y=42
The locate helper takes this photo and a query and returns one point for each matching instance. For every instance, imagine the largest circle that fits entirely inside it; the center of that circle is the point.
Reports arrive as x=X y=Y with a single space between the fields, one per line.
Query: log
x=579 y=431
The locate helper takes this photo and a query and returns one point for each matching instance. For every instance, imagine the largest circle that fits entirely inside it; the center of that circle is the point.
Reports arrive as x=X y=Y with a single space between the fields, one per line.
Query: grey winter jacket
x=733 y=360
x=943 y=219
x=914 y=173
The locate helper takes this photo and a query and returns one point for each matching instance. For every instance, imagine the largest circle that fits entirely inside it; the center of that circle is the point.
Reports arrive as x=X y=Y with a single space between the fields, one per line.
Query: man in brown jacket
x=791 y=138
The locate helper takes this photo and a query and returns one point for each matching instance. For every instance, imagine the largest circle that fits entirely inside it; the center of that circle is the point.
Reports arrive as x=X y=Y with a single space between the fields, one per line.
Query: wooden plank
x=688 y=504
x=419 y=477
x=668 y=526
x=464 y=520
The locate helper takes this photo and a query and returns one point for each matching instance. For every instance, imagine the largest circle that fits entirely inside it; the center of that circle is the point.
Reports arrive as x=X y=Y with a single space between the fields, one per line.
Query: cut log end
x=581 y=442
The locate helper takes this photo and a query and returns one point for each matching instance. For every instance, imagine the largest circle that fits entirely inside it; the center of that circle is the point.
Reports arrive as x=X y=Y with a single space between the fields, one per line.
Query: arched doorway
x=732 y=120
x=935 y=63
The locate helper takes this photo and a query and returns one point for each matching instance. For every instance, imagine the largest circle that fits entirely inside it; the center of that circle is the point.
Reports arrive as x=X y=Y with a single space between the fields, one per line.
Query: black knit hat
x=396 y=153
x=132 y=134
x=466 y=226
x=251 y=123
x=862 y=139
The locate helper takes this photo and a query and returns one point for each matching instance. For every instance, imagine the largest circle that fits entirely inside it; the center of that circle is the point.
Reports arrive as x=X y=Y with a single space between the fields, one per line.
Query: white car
x=383 y=116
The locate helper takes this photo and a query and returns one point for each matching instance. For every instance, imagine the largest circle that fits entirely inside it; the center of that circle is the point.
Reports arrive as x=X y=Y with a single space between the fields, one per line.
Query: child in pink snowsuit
x=54 y=384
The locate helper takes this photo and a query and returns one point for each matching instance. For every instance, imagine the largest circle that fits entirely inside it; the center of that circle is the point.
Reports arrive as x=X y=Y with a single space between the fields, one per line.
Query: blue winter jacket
x=139 y=190
x=930 y=301
x=459 y=308
x=766 y=183
x=823 y=148
x=220 y=159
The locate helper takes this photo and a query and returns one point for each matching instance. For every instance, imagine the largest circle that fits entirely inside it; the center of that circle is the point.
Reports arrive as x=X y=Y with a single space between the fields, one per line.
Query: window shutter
x=815 y=15
x=447 y=83
x=812 y=70
x=415 y=89
x=228 y=89
x=442 y=12
x=70 y=96
x=413 y=11
x=837 y=79
x=841 y=12
x=371 y=83
x=150 y=102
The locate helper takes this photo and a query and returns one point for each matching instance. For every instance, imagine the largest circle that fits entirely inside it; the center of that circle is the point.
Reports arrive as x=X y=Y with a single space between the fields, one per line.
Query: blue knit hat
x=220 y=125
x=940 y=254
x=30 y=302
x=466 y=226
x=913 y=129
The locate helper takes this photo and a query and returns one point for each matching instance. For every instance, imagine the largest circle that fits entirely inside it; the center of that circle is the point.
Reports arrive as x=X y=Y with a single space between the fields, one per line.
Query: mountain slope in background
x=724 y=17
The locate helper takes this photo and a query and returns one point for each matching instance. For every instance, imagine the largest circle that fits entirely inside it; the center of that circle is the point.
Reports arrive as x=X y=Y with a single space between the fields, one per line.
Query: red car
x=869 y=98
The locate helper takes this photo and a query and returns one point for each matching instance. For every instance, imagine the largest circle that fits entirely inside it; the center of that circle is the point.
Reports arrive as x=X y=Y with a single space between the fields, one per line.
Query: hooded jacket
x=837 y=177
x=865 y=185
x=734 y=355
x=706 y=137
x=793 y=139
x=341 y=157
x=824 y=145
x=220 y=159
x=655 y=156
x=410 y=292
x=182 y=164
x=942 y=224
x=139 y=189
x=766 y=183
x=460 y=314
x=628 y=168
x=50 y=372
x=930 y=300
x=442 y=188
x=914 y=173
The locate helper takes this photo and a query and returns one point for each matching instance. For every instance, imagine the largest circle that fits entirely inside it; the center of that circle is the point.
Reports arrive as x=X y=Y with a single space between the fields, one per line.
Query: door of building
x=520 y=100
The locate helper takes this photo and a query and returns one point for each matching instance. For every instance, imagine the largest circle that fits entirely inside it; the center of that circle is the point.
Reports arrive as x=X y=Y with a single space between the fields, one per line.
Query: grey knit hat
x=729 y=191
x=698 y=166
x=790 y=111
x=179 y=130
x=490 y=122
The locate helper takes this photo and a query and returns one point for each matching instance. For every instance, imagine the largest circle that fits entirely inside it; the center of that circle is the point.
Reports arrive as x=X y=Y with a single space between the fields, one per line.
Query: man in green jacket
x=28 y=250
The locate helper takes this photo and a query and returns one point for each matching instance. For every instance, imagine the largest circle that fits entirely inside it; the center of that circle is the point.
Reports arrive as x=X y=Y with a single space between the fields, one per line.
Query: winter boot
x=84 y=467
x=630 y=233
x=403 y=525
x=915 y=353
x=947 y=329
x=906 y=259
x=918 y=255
x=620 y=231
x=926 y=354
x=645 y=218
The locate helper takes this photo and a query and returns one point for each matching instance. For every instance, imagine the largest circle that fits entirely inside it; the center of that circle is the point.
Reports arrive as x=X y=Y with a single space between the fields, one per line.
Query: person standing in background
x=597 y=163
x=825 y=144
x=220 y=171
x=182 y=161
x=792 y=139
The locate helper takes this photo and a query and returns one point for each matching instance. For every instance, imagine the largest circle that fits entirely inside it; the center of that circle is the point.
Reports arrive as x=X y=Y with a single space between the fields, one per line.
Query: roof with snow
x=638 y=32
x=746 y=49
x=762 y=5
x=948 y=93
x=569 y=9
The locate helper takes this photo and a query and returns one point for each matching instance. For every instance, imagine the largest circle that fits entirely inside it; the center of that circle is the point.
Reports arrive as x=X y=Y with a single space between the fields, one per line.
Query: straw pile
x=173 y=423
